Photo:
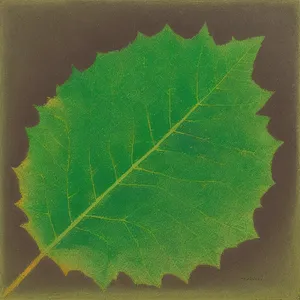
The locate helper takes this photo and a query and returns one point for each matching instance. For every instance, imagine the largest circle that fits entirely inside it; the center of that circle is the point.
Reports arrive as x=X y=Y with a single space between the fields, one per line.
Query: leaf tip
x=19 y=203
x=155 y=283
x=165 y=31
x=204 y=30
x=99 y=55
x=15 y=170
x=167 y=28
x=74 y=70
x=54 y=102
x=205 y=34
x=23 y=165
x=28 y=131
x=37 y=107
x=25 y=226
x=184 y=277
x=218 y=263
x=277 y=144
x=64 y=269
x=256 y=42
x=260 y=39
x=204 y=27
x=140 y=36
x=271 y=183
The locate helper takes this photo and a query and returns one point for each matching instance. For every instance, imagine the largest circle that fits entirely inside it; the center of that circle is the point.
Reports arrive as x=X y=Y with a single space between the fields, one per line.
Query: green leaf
x=151 y=161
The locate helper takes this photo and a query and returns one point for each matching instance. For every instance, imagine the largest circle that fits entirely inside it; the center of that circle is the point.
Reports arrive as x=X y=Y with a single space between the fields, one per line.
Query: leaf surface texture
x=151 y=161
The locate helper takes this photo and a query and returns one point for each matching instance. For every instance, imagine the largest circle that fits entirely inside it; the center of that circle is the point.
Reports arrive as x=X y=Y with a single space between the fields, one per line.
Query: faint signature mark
x=252 y=279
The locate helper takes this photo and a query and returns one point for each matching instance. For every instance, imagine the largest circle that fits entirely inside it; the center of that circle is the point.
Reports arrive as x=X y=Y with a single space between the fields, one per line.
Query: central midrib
x=43 y=253
x=121 y=178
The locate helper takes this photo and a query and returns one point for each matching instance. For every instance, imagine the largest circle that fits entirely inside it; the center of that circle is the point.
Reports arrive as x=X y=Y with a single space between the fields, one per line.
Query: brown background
x=42 y=41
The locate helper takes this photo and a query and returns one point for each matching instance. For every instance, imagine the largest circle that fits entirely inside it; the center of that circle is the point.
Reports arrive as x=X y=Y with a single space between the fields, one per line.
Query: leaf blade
x=144 y=276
